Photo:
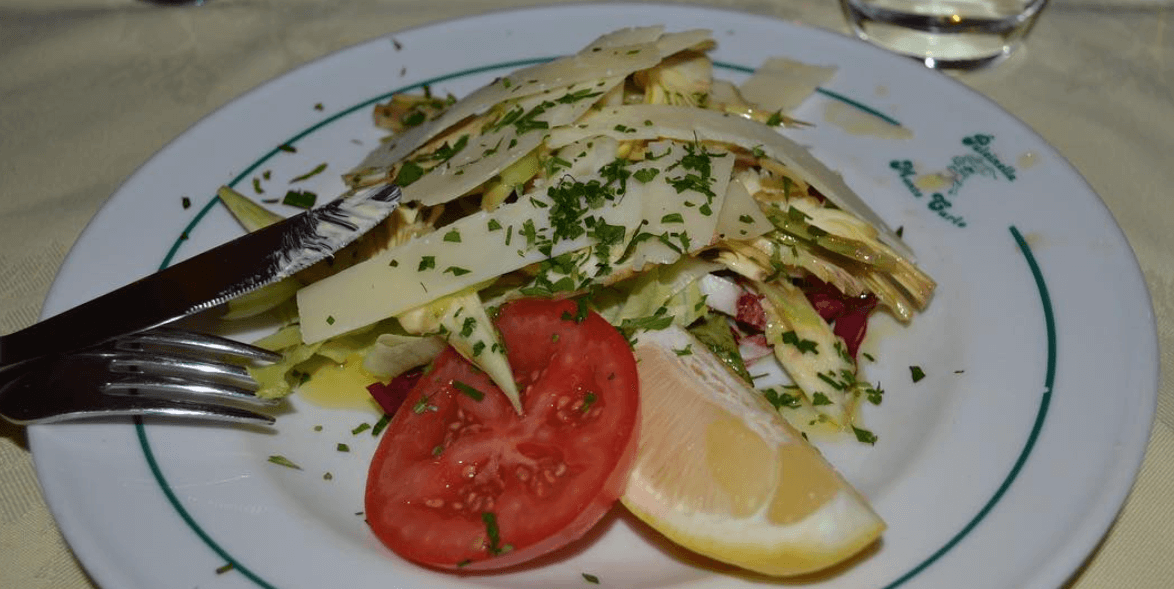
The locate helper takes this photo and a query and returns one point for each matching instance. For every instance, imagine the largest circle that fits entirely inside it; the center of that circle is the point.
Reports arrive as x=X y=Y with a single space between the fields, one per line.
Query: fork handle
x=86 y=325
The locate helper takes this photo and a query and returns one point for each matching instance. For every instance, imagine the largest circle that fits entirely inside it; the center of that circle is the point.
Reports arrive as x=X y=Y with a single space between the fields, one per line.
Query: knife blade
x=206 y=280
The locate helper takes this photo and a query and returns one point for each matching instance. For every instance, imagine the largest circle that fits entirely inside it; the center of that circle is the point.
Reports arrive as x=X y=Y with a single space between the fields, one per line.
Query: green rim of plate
x=235 y=564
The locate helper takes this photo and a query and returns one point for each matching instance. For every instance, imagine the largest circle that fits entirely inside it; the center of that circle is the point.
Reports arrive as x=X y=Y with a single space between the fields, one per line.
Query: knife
x=209 y=279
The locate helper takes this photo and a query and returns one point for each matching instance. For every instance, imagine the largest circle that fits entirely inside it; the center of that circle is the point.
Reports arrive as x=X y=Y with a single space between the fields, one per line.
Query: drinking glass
x=946 y=34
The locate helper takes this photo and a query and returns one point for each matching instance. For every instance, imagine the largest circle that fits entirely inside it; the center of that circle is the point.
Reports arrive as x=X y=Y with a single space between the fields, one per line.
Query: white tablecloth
x=89 y=89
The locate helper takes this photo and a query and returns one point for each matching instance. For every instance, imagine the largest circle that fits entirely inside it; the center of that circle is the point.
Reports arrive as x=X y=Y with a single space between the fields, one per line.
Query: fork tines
x=188 y=370
x=163 y=371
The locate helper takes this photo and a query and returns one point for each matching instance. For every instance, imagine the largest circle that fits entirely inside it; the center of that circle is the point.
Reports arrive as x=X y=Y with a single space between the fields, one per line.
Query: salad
x=552 y=223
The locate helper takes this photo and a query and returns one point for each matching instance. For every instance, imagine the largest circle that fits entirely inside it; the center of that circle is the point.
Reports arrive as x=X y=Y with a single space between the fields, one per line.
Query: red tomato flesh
x=462 y=482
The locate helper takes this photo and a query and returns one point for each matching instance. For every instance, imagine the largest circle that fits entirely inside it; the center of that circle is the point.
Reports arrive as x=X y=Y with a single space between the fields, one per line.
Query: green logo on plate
x=941 y=189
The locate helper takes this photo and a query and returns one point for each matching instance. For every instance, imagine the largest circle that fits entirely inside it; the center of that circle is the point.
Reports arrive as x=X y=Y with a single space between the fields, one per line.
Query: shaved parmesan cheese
x=426 y=268
x=741 y=218
x=621 y=37
x=650 y=121
x=491 y=153
x=682 y=220
x=782 y=84
x=604 y=59
x=677 y=208
x=672 y=43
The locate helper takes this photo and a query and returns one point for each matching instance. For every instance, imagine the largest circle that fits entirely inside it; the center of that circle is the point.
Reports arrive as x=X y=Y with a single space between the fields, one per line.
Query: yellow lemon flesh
x=719 y=472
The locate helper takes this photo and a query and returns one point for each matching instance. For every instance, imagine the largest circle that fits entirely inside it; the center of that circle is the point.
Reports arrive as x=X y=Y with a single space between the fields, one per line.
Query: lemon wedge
x=720 y=473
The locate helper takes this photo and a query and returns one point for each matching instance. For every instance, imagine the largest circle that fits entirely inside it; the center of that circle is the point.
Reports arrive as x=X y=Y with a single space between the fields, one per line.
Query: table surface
x=1096 y=80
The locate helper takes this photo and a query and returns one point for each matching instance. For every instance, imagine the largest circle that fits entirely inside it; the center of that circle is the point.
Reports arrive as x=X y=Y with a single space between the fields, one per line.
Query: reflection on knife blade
x=209 y=279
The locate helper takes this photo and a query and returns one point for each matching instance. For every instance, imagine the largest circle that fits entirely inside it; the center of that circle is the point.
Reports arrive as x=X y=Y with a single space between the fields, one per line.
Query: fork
x=163 y=371
x=81 y=362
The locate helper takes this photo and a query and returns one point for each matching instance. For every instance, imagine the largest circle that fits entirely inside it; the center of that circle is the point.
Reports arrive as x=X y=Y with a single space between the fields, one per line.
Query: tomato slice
x=460 y=480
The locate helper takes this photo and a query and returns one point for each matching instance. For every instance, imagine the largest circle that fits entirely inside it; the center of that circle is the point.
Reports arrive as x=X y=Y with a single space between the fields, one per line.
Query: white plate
x=1001 y=469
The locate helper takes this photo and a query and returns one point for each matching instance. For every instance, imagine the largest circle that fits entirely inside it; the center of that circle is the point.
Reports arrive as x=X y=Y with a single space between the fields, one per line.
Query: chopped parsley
x=283 y=461
x=381 y=425
x=493 y=535
x=864 y=435
x=782 y=399
x=447 y=152
x=553 y=164
x=588 y=400
x=522 y=120
x=423 y=405
x=570 y=202
x=580 y=312
x=468 y=326
x=300 y=198
x=659 y=320
x=804 y=345
x=590 y=578
x=468 y=390
x=917 y=373
x=616 y=172
x=577 y=95
x=646 y=175
x=408 y=173
x=317 y=170
x=874 y=394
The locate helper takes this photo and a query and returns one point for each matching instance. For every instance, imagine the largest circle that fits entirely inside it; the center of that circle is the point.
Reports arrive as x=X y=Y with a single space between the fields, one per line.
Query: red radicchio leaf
x=391 y=395
x=853 y=325
x=750 y=311
x=848 y=315
x=828 y=305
